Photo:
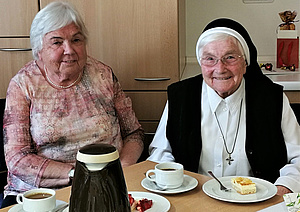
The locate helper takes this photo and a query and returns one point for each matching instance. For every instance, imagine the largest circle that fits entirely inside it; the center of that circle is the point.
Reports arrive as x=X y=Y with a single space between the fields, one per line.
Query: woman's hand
x=281 y=190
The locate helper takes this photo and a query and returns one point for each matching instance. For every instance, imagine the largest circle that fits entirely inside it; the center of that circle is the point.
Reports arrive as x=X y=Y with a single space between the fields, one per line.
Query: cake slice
x=243 y=185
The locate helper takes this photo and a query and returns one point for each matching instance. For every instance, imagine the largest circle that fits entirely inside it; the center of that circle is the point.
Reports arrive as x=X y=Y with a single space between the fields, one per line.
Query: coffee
x=38 y=196
x=168 y=169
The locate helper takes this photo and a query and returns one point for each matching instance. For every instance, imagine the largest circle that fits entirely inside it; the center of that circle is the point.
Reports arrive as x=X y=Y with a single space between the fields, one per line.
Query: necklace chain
x=61 y=86
x=229 y=159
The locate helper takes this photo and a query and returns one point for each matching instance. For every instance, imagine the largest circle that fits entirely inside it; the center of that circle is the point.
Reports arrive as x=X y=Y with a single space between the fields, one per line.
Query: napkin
x=292 y=202
x=280 y=207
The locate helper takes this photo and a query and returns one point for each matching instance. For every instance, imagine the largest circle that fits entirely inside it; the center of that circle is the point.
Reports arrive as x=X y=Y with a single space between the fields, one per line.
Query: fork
x=222 y=187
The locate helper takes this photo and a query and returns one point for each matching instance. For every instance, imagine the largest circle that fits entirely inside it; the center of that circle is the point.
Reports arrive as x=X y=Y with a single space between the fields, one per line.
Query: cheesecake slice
x=243 y=185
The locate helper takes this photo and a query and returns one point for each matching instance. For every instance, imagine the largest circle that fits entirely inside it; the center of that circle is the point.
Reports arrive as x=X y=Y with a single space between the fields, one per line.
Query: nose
x=68 y=48
x=220 y=66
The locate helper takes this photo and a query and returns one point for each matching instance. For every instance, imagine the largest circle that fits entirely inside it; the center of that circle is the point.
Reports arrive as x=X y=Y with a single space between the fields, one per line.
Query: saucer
x=19 y=207
x=188 y=184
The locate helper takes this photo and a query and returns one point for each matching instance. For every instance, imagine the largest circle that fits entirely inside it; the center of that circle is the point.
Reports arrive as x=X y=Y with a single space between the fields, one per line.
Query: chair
x=145 y=153
x=296 y=109
x=3 y=168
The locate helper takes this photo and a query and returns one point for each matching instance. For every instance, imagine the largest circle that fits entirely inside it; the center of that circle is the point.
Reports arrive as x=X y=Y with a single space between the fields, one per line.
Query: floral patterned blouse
x=44 y=126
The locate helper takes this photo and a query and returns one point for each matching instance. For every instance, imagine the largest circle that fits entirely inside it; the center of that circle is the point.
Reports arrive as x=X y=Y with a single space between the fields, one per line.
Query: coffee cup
x=167 y=175
x=37 y=200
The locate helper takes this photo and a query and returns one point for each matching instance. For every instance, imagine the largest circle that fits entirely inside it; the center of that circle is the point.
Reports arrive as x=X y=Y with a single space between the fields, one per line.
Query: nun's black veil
x=253 y=70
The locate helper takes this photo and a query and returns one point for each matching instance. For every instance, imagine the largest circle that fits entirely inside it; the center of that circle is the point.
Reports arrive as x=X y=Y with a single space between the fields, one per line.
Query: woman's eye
x=57 y=43
x=209 y=58
x=78 y=39
x=230 y=57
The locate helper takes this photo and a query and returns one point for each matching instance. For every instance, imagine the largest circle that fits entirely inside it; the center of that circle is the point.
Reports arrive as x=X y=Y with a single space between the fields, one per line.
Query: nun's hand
x=281 y=190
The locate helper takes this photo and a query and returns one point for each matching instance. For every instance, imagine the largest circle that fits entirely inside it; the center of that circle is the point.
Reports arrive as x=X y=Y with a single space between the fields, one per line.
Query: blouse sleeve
x=22 y=160
x=131 y=130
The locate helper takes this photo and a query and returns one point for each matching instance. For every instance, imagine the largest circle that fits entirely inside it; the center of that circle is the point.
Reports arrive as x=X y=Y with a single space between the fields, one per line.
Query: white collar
x=232 y=101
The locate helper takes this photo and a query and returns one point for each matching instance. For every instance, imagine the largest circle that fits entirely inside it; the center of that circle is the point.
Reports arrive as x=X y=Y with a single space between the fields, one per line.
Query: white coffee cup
x=37 y=200
x=167 y=175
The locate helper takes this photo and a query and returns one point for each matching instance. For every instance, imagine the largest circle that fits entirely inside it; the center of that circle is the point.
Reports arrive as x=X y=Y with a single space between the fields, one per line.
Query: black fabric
x=3 y=168
x=184 y=122
x=2 y=159
x=296 y=109
x=265 y=147
x=8 y=201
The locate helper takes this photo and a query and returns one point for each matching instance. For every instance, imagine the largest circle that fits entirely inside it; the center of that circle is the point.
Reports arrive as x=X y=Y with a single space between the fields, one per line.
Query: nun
x=230 y=119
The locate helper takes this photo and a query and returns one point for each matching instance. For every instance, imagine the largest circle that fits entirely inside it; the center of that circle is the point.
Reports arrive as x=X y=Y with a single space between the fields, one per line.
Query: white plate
x=160 y=204
x=19 y=207
x=264 y=190
x=188 y=184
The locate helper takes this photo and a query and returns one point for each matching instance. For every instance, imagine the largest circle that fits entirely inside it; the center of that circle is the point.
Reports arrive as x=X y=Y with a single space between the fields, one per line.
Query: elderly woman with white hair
x=231 y=119
x=60 y=102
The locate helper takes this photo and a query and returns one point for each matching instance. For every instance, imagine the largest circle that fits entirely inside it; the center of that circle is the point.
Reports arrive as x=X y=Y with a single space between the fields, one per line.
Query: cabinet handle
x=14 y=49
x=152 y=79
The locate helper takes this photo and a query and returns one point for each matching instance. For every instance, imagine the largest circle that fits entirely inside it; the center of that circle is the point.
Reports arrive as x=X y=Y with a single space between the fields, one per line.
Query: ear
x=40 y=55
x=246 y=65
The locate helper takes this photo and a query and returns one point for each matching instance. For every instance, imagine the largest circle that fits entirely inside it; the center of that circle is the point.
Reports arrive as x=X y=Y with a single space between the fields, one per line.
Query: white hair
x=53 y=17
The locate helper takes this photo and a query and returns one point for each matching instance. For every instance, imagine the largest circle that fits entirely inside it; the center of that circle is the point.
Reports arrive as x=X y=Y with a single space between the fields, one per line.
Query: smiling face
x=224 y=79
x=63 y=53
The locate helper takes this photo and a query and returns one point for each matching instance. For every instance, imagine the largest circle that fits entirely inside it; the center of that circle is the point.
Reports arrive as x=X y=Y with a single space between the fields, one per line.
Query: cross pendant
x=229 y=159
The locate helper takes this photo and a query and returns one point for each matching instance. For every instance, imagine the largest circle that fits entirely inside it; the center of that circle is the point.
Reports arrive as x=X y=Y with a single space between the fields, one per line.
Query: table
x=195 y=200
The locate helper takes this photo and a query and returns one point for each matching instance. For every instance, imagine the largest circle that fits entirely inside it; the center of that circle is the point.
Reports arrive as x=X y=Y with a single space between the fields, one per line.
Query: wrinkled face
x=223 y=78
x=64 y=51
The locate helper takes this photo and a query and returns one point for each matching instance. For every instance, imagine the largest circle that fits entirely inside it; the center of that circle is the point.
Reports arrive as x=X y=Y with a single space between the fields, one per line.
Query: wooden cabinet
x=16 y=17
x=148 y=106
x=144 y=43
x=14 y=54
x=293 y=96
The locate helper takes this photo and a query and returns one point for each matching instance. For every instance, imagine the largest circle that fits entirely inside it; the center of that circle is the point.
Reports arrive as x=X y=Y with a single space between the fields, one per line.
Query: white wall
x=260 y=19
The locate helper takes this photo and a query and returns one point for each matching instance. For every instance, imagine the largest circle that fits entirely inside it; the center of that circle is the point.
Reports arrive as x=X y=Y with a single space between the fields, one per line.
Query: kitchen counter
x=289 y=79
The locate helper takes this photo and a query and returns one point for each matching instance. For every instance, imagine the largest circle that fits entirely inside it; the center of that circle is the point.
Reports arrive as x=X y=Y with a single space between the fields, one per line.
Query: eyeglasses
x=228 y=59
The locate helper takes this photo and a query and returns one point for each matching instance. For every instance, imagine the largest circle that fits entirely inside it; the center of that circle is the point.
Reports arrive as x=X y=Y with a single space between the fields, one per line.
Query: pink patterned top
x=44 y=126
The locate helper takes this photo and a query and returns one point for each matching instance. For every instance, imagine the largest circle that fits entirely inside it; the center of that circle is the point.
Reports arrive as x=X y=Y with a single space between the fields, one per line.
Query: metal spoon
x=222 y=187
x=61 y=208
x=157 y=186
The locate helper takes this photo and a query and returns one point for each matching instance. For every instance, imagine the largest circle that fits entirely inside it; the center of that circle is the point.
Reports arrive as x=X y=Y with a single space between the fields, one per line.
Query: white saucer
x=19 y=207
x=188 y=184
